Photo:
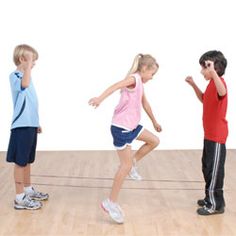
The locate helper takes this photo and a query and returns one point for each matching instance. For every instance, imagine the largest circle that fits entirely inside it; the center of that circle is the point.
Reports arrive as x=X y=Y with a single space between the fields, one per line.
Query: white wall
x=85 y=46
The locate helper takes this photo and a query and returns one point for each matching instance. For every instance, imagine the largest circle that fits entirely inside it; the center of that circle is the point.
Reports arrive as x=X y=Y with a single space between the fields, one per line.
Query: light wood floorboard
x=163 y=204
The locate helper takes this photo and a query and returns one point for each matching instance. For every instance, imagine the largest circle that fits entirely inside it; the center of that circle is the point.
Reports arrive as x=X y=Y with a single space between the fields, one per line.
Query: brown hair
x=220 y=62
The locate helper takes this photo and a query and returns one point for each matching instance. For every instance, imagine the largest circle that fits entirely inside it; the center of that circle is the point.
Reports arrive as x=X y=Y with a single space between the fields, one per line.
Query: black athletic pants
x=213 y=161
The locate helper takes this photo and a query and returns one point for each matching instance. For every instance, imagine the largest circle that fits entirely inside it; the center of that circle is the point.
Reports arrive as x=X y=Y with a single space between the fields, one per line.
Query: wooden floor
x=164 y=203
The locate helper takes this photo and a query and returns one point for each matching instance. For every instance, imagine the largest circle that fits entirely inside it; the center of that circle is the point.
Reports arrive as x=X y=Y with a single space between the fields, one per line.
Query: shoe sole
x=26 y=208
x=130 y=177
x=213 y=213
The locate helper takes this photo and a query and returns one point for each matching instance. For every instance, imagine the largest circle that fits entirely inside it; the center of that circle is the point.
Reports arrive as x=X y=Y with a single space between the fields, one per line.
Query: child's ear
x=144 y=68
x=21 y=59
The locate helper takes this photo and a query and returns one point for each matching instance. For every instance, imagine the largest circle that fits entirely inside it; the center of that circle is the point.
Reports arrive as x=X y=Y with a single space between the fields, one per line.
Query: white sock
x=112 y=203
x=19 y=197
x=28 y=189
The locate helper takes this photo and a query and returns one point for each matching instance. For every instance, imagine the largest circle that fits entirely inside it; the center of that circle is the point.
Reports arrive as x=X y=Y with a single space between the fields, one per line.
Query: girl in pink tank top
x=125 y=127
x=128 y=112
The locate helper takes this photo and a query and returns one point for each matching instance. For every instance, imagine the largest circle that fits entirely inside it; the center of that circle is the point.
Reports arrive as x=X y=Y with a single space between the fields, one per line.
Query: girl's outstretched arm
x=119 y=85
x=148 y=110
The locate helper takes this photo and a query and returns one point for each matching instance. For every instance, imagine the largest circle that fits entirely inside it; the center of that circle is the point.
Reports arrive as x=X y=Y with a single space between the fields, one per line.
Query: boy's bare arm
x=197 y=91
x=25 y=82
x=220 y=87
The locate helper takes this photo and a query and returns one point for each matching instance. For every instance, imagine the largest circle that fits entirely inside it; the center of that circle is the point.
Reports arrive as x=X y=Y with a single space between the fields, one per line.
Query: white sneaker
x=133 y=174
x=114 y=210
x=39 y=196
x=27 y=203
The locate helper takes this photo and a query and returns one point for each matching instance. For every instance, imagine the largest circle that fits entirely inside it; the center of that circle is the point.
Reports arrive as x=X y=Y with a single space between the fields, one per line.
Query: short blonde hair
x=21 y=50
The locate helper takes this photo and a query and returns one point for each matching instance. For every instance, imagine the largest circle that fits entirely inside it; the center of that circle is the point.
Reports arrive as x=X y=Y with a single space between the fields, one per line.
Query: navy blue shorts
x=123 y=137
x=22 y=146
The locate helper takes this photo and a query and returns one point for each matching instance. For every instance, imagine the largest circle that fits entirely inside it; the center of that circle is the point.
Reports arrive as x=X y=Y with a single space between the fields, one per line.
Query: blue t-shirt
x=25 y=103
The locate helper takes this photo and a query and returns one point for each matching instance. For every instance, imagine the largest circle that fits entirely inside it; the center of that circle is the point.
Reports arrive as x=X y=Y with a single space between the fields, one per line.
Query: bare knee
x=155 y=142
x=125 y=168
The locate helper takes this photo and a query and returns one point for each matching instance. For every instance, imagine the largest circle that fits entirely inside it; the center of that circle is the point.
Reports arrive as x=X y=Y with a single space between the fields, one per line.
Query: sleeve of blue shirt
x=15 y=80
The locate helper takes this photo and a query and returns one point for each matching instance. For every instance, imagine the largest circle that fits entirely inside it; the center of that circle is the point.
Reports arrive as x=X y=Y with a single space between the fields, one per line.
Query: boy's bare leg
x=19 y=178
x=27 y=181
x=22 y=201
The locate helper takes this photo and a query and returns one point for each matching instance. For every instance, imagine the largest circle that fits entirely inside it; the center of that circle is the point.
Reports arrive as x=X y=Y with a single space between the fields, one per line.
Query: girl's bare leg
x=151 y=141
x=126 y=160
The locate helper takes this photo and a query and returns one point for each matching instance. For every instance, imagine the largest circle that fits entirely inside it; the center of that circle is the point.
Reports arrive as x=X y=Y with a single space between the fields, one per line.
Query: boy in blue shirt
x=24 y=128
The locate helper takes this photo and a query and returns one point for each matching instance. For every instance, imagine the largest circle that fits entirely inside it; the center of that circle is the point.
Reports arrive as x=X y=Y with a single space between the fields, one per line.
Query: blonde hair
x=142 y=60
x=21 y=50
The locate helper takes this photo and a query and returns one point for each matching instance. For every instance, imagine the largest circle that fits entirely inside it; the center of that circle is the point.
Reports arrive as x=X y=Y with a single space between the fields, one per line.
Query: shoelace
x=29 y=201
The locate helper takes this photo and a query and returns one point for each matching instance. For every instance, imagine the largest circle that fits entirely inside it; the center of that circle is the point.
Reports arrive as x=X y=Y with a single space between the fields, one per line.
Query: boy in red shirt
x=215 y=126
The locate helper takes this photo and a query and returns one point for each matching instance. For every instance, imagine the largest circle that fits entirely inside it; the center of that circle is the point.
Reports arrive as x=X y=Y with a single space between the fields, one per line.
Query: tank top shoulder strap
x=137 y=79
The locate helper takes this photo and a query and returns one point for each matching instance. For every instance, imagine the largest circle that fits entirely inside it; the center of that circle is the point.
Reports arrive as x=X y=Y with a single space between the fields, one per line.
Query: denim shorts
x=123 y=137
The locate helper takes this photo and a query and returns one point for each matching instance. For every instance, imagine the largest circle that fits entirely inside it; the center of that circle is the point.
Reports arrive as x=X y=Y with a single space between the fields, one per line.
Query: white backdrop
x=85 y=46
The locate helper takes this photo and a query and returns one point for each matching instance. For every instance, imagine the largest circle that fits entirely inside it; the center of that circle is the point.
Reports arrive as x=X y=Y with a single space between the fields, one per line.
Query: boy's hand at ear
x=209 y=64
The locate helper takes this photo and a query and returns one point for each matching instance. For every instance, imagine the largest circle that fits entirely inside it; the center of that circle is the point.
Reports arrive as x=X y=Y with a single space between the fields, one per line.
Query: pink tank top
x=127 y=113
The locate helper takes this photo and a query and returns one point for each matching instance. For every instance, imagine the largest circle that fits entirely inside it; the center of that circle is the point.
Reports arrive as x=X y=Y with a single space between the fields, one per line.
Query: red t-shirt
x=214 y=112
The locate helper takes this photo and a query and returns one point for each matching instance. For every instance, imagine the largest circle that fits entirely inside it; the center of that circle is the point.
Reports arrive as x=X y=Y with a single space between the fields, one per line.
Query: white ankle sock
x=112 y=203
x=28 y=189
x=19 y=197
